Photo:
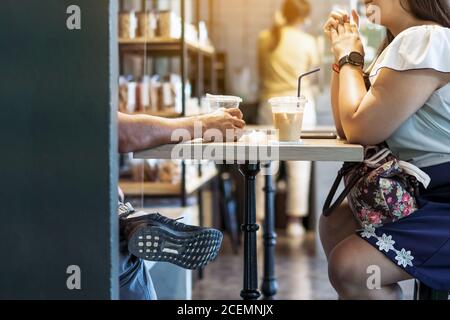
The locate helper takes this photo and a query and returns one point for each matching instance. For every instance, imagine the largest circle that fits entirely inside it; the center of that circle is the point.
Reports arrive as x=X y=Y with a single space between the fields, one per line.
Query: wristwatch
x=354 y=58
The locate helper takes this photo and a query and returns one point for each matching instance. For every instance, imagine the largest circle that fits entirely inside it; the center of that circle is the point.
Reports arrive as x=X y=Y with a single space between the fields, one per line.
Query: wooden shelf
x=163 y=46
x=166 y=189
x=149 y=188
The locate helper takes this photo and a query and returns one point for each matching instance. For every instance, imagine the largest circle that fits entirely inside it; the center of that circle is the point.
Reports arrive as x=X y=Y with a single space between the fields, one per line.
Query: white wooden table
x=309 y=150
x=250 y=156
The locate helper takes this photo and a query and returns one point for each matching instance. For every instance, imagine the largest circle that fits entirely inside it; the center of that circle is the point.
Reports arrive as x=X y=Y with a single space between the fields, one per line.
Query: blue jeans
x=134 y=280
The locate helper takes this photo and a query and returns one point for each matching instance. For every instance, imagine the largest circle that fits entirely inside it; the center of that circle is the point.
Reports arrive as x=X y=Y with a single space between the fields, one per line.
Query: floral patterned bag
x=381 y=190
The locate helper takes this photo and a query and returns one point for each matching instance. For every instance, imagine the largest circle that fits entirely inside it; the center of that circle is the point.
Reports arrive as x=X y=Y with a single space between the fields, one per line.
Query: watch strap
x=347 y=60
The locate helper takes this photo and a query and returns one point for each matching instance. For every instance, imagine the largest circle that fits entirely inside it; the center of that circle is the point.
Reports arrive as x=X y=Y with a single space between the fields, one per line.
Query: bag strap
x=374 y=161
x=412 y=170
x=329 y=208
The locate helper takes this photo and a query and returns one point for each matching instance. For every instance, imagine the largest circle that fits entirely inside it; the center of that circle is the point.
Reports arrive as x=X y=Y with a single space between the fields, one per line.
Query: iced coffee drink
x=288 y=117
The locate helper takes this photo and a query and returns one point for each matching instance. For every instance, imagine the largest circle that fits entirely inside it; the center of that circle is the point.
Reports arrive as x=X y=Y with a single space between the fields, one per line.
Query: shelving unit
x=201 y=59
x=156 y=189
x=189 y=52
x=163 y=46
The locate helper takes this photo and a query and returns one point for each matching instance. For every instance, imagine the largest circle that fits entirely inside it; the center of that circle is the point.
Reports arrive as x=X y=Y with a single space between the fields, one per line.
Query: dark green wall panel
x=58 y=151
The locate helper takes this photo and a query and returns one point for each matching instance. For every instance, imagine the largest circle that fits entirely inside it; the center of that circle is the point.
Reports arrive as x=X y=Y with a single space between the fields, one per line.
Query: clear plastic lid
x=217 y=102
x=288 y=104
x=280 y=101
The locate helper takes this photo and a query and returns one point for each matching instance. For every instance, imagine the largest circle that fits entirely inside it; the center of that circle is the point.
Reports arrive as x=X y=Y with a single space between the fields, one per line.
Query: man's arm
x=139 y=132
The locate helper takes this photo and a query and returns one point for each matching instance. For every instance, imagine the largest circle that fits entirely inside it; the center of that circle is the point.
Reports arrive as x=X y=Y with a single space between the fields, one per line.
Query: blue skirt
x=420 y=243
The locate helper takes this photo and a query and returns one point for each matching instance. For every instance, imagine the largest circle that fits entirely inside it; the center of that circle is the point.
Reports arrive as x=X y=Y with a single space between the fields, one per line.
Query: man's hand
x=223 y=125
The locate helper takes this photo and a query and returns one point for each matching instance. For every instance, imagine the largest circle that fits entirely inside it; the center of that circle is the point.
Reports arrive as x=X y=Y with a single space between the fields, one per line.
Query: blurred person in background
x=285 y=52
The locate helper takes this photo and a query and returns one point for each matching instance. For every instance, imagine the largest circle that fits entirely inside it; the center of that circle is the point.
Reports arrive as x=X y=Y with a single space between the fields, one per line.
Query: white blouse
x=424 y=139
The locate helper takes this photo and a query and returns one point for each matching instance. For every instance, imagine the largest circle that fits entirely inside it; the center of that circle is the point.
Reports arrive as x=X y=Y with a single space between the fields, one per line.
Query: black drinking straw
x=299 y=92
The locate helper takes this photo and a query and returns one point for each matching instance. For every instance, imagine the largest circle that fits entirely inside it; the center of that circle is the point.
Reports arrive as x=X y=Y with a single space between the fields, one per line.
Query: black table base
x=250 y=291
x=269 y=286
x=250 y=228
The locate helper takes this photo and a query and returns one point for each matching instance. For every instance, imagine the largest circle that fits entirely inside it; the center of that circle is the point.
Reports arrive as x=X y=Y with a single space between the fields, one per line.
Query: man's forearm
x=139 y=132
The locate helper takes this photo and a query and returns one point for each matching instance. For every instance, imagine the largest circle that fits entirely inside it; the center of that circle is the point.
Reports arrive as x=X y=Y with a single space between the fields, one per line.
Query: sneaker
x=154 y=237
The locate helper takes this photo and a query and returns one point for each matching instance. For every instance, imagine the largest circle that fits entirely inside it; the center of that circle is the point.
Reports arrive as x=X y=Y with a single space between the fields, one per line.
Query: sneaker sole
x=189 y=250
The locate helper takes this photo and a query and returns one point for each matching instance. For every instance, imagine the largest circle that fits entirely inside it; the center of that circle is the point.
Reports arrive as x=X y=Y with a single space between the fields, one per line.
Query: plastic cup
x=227 y=102
x=288 y=117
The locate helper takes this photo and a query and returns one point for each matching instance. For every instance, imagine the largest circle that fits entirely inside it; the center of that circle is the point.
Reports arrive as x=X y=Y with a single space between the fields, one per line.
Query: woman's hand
x=344 y=34
x=223 y=125
x=336 y=18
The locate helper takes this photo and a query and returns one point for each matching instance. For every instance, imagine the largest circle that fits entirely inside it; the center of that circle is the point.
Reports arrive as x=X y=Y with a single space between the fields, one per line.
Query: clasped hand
x=343 y=33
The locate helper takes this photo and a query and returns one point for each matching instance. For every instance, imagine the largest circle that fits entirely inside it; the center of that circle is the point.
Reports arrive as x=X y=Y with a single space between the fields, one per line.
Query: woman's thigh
x=354 y=260
x=337 y=227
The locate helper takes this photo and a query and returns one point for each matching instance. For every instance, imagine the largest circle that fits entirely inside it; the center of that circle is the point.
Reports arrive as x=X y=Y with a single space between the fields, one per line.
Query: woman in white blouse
x=407 y=105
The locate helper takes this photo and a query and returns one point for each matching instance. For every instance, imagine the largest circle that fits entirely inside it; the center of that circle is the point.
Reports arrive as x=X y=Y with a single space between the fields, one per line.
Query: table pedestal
x=269 y=286
x=250 y=290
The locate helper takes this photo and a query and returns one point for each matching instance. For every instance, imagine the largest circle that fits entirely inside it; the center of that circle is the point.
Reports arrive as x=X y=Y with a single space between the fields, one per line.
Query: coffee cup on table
x=288 y=117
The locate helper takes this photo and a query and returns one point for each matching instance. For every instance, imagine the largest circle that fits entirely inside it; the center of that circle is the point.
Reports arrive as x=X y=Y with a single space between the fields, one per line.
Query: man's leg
x=152 y=237
x=134 y=280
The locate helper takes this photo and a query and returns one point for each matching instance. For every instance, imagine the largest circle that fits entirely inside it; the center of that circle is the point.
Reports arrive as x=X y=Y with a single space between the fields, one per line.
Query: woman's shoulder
x=426 y=29
x=421 y=47
x=422 y=38
x=425 y=34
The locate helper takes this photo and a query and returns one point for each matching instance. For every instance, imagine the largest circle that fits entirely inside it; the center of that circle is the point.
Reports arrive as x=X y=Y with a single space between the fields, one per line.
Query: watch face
x=356 y=58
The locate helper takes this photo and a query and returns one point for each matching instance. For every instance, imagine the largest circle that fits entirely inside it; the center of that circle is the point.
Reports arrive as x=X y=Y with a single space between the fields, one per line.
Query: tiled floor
x=301 y=275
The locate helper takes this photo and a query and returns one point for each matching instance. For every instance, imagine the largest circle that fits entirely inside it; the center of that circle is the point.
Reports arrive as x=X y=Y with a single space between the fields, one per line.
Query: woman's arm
x=335 y=104
x=351 y=92
x=139 y=132
x=370 y=118
x=336 y=18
